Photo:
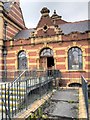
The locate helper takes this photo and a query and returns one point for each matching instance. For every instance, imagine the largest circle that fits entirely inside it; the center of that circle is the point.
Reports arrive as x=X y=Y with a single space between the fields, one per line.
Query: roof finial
x=55 y=16
x=54 y=11
x=45 y=12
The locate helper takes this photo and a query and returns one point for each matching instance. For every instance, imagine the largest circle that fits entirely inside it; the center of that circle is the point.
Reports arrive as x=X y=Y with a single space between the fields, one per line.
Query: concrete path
x=63 y=104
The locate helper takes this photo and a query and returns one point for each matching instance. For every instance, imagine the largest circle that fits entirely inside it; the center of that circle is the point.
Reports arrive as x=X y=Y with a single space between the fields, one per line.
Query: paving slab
x=66 y=95
x=63 y=103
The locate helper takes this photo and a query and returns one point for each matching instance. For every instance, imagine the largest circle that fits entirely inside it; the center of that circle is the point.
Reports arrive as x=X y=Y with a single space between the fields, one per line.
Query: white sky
x=76 y=10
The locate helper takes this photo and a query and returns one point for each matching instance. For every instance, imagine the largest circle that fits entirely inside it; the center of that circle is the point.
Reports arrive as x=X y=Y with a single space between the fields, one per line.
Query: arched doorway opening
x=46 y=59
x=75 y=85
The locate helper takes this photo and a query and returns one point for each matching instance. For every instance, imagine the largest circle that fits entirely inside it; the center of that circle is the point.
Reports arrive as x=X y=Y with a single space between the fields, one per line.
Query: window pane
x=75 y=58
x=22 y=60
x=46 y=52
x=22 y=54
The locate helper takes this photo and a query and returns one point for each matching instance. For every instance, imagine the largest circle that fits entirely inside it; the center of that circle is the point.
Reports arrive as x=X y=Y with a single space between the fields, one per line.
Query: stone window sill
x=76 y=70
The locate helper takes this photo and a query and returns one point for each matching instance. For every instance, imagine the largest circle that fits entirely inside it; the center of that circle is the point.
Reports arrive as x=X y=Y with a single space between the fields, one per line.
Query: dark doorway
x=50 y=62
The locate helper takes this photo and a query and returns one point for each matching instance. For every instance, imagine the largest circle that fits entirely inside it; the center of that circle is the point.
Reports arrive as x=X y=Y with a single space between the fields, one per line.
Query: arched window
x=74 y=58
x=22 y=60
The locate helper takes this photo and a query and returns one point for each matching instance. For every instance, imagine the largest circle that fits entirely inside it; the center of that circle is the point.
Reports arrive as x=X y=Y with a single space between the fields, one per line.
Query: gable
x=14 y=19
x=15 y=14
x=45 y=26
x=43 y=21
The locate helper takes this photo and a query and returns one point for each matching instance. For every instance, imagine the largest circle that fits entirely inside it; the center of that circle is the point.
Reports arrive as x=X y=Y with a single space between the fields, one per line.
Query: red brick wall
x=60 y=56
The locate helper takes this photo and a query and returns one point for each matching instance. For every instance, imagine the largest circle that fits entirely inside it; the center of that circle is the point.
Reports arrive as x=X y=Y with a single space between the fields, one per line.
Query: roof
x=7 y=6
x=23 y=34
x=75 y=27
x=66 y=29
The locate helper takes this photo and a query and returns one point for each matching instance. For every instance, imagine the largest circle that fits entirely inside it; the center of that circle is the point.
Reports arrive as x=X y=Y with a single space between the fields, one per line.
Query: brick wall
x=60 y=50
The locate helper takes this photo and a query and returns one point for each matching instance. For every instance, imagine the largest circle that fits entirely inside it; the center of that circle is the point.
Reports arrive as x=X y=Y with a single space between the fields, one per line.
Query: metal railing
x=25 y=89
x=6 y=92
x=85 y=93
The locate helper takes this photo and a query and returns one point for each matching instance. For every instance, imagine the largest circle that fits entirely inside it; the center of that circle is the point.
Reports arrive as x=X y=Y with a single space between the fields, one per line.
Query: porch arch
x=46 y=58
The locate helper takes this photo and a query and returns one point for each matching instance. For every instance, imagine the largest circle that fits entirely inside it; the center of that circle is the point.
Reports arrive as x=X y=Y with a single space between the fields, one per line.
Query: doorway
x=50 y=62
x=46 y=59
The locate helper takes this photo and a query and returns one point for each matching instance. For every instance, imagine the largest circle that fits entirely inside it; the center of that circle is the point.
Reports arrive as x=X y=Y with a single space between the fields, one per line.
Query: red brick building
x=53 y=44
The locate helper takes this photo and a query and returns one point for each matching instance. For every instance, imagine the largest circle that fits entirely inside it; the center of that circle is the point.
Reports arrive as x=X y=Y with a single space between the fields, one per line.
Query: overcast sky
x=76 y=10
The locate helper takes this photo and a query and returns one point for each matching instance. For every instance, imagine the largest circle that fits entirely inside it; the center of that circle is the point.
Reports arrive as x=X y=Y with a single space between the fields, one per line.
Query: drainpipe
x=5 y=53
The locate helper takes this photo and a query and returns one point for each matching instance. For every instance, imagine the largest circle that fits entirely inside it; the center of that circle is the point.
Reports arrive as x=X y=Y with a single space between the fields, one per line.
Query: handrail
x=84 y=78
x=17 y=78
x=85 y=93
x=10 y=94
x=24 y=82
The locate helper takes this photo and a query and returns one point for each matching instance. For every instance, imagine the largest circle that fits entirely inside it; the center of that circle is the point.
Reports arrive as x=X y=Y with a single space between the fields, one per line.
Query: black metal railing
x=7 y=97
x=85 y=93
x=26 y=87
